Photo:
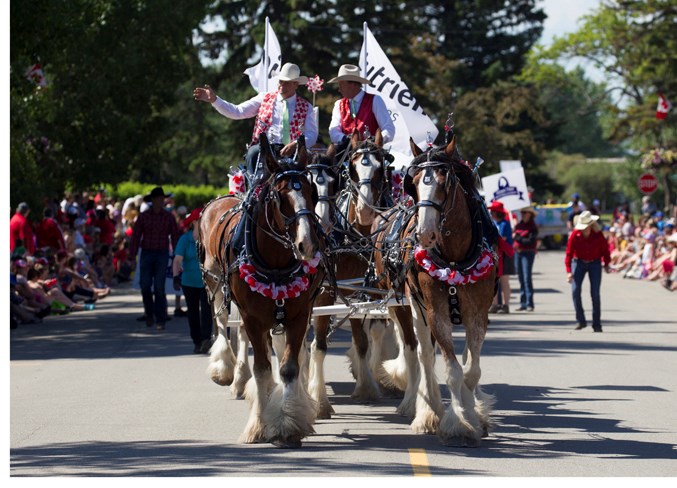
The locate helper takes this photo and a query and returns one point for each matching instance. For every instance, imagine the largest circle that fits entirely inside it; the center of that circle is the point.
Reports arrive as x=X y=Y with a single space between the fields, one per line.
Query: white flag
x=263 y=75
x=407 y=114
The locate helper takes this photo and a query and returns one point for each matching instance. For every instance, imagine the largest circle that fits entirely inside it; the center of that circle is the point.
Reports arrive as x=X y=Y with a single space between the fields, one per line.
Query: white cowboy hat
x=349 y=72
x=291 y=72
x=586 y=219
x=530 y=209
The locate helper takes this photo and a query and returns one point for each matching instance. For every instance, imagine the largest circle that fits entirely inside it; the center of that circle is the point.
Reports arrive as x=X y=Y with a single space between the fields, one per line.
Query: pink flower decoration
x=314 y=84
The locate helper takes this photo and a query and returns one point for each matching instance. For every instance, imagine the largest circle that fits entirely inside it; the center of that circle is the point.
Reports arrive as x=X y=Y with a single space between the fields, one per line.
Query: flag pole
x=265 y=57
x=364 y=44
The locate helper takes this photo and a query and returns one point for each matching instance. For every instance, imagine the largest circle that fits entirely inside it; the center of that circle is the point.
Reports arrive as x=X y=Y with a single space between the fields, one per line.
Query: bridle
x=429 y=166
x=365 y=150
x=279 y=223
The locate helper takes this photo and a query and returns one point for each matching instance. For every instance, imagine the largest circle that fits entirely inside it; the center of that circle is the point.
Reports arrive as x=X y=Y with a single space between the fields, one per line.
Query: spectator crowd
x=79 y=250
x=74 y=254
x=644 y=247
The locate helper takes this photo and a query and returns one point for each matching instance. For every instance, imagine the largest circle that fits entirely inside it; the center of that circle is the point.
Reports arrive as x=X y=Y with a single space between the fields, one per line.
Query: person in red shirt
x=525 y=241
x=20 y=229
x=106 y=225
x=48 y=231
x=587 y=249
x=154 y=231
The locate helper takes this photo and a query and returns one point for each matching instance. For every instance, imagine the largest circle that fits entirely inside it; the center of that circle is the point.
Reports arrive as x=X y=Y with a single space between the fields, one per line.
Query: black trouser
x=256 y=165
x=78 y=290
x=199 y=314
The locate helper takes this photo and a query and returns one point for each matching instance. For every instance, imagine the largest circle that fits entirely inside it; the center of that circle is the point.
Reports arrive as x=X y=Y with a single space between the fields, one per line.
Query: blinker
x=428 y=176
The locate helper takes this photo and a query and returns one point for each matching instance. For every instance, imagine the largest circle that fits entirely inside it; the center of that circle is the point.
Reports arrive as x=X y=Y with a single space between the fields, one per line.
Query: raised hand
x=205 y=94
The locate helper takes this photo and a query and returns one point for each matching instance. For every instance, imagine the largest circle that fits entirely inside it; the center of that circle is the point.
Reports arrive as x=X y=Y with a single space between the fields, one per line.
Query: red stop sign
x=647 y=183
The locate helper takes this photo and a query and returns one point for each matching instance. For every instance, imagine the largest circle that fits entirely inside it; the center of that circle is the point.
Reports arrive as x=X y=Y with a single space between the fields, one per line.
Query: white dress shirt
x=378 y=107
x=250 y=109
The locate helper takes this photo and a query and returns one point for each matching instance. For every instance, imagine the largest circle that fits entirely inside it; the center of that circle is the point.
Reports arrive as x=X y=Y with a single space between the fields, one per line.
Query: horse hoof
x=286 y=443
x=324 y=413
x=391 y=391
x=461 y=441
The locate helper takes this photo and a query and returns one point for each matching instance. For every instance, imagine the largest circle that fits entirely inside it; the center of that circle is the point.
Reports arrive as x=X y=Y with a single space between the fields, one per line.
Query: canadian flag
x=36 y=75
x=663 y=107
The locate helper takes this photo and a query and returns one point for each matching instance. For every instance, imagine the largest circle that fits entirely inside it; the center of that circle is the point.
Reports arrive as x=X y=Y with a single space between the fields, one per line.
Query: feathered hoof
x=239 y=387
x=252 y=435
x=461 y=441
x=219 y=374
x=325 y=411
x=366 y=393
x=288 y=443
x=390 y=391
x=425 y=424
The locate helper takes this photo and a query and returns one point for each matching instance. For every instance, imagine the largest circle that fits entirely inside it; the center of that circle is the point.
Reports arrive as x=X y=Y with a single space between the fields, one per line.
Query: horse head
x=324 y=175
x=292 y=198
x=429 y=181
x=368 y=162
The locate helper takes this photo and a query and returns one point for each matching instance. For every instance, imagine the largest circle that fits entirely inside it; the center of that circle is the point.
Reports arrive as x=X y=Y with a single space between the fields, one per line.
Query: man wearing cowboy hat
x=357 y=109
x=587 y=248
x=154 y=231
x=281 y=114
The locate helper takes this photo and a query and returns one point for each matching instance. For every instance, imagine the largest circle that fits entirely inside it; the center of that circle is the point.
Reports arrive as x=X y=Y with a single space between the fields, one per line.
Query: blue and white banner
x=509 y=188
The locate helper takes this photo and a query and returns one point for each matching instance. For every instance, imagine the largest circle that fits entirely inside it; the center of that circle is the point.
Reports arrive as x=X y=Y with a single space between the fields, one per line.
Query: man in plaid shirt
x=154 y=231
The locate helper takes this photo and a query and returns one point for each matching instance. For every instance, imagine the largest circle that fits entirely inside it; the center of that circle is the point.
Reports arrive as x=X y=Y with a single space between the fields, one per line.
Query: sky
x=563 y=16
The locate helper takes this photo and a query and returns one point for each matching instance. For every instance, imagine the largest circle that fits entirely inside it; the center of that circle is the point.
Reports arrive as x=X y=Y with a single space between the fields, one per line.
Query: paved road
x=95 y=394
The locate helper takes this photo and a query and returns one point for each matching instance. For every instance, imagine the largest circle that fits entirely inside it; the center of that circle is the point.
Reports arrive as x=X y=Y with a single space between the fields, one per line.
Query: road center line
x=419 y=462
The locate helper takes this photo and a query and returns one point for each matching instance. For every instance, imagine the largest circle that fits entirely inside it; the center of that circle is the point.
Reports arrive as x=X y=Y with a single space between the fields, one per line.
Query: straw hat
x=585 y=220
x=530 y=210
x=349 y=72
x=291 y=72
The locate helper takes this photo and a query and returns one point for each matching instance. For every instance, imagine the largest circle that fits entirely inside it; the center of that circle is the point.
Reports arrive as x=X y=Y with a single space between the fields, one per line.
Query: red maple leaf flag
x=663 y=107
x=36 y=75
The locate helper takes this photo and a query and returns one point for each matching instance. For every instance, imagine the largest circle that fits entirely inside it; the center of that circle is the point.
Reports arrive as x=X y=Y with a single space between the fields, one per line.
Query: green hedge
x=190 y=196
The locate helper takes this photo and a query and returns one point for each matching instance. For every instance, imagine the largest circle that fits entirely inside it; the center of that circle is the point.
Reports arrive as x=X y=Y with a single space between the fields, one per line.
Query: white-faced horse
x=443 y=262
x=359 y=204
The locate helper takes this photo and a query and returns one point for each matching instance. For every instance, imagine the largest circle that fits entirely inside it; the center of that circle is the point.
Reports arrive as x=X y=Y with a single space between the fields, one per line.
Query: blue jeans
x=524 y=262
x=152 y=275
x=594 y=270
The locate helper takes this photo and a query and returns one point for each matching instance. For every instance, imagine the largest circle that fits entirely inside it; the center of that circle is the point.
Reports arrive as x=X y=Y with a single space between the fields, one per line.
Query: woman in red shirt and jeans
x=586 y=249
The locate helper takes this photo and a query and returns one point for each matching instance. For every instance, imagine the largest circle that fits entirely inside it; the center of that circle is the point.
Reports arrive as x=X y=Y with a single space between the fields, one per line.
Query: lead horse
x=263 y=253
x=441 y=256
x=356 y=209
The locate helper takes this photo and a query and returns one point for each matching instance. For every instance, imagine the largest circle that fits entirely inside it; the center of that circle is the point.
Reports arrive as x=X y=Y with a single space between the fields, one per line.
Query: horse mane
x=460 y=167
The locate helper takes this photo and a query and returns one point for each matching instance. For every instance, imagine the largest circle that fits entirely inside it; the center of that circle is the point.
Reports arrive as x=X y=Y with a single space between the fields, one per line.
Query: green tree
x=634 y=44
x=111 y=68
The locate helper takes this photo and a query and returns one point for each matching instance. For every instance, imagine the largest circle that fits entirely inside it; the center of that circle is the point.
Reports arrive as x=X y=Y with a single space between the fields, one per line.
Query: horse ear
x=267 y=153
x=449 y=150
x=409 y=187
x=378 y=139
x=355 y=139
x=416 y=151
x=331 y=151
x=301 y=151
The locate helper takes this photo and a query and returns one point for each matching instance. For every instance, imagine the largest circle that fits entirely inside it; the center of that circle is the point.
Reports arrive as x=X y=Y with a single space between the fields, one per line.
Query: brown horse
x=439 y=259
x=352 y=250
x=263 y=253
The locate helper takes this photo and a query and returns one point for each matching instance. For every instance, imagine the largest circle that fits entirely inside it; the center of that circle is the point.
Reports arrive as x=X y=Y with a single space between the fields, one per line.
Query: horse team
x=312 y=223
